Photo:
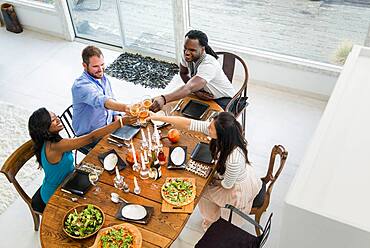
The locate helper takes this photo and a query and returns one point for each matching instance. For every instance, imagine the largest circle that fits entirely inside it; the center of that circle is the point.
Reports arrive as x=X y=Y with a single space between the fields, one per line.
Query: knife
x=177 y=106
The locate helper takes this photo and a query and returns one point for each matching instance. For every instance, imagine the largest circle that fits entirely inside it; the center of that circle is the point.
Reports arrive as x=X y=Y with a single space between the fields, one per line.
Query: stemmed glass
x=146 y=101
x=143 y=114
x=94 y=178
x=134 y=109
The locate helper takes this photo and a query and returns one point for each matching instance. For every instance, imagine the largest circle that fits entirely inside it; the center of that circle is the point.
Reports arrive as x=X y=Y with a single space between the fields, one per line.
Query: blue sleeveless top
x=54 y=173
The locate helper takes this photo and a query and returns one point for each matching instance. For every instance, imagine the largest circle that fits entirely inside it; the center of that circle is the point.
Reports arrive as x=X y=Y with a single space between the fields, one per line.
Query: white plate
x=160 y=113
x=133 y=212
x=110 y=161
x=178 y=156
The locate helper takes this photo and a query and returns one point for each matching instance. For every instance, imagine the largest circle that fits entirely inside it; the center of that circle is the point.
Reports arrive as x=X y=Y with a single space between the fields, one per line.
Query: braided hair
x=38 y=128
x=203 y=41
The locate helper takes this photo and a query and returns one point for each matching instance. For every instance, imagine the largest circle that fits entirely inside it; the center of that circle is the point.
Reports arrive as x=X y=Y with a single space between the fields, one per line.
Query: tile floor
x=38 y=70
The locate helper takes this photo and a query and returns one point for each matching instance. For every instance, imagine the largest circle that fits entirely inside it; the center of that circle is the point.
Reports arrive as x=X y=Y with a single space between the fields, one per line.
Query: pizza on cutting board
x=178 y=191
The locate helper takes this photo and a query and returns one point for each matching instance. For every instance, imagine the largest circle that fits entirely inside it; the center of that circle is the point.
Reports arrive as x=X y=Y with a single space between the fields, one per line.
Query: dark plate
x=202 y=153
x=195 y=109
x=121 y=164
x=77 y=182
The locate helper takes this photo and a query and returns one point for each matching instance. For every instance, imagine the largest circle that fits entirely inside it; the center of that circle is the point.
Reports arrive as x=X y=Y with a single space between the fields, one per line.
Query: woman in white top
x=235 y=182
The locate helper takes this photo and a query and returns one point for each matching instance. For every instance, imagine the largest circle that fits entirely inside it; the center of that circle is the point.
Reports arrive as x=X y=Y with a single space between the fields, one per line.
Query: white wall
x=327 y=203
x=43 y=18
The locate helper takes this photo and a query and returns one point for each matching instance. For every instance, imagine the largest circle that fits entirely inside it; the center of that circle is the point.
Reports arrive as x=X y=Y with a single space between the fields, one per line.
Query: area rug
x=14 y=132
x=146 y=71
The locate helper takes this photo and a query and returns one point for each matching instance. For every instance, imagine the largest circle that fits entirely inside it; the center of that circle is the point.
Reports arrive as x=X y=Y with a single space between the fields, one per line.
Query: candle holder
x=119 y=182
x=136 y=166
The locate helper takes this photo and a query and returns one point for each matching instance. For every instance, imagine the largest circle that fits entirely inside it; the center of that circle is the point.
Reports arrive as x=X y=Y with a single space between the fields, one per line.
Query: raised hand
x=158 y=103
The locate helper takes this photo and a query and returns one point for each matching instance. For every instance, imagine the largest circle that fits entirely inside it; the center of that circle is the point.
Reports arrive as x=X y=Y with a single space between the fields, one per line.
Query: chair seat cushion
x=258 y=200
x=223 y=234
x=238 y=106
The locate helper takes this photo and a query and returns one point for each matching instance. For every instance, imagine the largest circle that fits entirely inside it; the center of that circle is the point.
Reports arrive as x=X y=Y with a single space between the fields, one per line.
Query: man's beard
x=94 y=76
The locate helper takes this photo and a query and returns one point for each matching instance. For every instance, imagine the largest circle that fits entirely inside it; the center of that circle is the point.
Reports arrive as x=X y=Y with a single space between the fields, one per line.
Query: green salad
x=81 y=224
x=117 y=238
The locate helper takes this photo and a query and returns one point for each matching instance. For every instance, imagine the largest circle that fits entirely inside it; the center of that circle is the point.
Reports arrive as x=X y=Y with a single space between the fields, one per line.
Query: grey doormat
x=146 y=71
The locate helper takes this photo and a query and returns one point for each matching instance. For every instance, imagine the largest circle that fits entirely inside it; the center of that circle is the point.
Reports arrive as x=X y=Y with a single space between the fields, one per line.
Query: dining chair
x=66 y=119
x=224 y=234
x=238 y=103
x=262 y=200
x=10 y=169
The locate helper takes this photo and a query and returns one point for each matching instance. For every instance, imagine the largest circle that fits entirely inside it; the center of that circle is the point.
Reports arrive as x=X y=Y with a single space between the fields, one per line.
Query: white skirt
x=241 y=196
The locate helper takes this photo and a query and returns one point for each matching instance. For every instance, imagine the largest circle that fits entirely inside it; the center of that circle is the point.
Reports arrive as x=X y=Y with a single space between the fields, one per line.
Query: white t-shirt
x=217 y=82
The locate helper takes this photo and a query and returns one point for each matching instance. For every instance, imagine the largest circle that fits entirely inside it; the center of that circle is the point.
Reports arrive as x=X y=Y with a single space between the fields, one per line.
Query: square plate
x=121 y=164
x=77 y=182
x=170 y=164
x=195 y=109
x=127 y=132
x=202 y=153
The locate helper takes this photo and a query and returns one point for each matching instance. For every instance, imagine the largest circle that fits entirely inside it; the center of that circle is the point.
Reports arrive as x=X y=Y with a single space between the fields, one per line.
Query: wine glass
x=134 y=109
x=146 y=101
x=143 y=114
x=94 y=178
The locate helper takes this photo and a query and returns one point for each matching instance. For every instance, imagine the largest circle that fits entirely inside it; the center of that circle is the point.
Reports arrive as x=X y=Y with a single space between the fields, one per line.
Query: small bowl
x=79 y=209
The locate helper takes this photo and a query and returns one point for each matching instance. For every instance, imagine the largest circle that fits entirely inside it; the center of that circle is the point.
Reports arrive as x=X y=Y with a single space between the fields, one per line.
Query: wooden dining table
x=162 y=228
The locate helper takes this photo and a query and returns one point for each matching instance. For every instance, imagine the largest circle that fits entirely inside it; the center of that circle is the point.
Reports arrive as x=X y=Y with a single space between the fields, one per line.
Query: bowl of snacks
x=83 y=221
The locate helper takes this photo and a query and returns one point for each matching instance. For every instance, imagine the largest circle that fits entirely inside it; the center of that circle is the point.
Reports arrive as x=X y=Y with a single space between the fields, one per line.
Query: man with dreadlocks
x=201 y=73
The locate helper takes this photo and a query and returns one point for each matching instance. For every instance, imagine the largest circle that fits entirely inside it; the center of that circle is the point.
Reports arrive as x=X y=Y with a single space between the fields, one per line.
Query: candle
x=142 y=160
x=133 y=152
x=145 y=155
x=143 y=135
x=156 y=134
x=149 y=140
x=117 y=173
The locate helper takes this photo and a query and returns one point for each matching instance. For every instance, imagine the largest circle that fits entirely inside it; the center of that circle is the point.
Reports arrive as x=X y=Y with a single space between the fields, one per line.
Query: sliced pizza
x=178 y=191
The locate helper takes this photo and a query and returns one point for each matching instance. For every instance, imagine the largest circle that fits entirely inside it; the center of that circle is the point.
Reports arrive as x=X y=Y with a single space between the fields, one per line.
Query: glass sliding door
x=148 y=26
x=96 y=20
x=140 y=25
x=314 y=30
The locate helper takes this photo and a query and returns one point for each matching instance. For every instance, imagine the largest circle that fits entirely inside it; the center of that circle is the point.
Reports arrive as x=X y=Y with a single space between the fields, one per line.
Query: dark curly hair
x=229 y=136
x=203 y=41
x=38 y=128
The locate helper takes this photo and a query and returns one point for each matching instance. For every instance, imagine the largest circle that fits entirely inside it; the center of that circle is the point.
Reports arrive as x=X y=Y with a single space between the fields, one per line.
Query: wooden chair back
x=270 y=179
x=10 y=169
x=229 y=61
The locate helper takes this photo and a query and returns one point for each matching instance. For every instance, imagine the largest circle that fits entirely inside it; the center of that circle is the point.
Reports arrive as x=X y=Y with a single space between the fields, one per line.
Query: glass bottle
x=155 y=167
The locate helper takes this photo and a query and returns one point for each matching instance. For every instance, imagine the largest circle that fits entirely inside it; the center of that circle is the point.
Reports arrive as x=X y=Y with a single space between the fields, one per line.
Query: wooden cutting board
x=168 y=208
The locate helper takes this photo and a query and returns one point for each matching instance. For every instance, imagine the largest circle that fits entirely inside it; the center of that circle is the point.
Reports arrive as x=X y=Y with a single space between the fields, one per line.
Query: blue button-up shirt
x=89 y=96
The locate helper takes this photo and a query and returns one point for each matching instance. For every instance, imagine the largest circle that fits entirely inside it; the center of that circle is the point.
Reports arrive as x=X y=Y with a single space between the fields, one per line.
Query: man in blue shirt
x=94 y=105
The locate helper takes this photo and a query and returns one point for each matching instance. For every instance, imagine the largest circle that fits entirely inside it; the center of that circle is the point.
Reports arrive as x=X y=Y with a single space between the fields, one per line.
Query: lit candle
x=117 y=173
x=143 y=135
x=142 y=161
x=133 y=152
x=149 y=140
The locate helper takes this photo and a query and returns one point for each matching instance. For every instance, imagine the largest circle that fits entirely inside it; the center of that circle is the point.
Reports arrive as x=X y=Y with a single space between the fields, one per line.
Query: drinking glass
x=146 y=101
x=94 y=178
x=143 y=114
x=134 y=109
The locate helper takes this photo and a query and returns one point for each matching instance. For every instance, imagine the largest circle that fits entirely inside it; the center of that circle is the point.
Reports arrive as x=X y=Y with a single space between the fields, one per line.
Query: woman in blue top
x=54 y=153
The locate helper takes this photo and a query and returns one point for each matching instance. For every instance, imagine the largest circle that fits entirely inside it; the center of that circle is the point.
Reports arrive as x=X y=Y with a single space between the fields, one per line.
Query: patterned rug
x=146 y=71
x=14 y=132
